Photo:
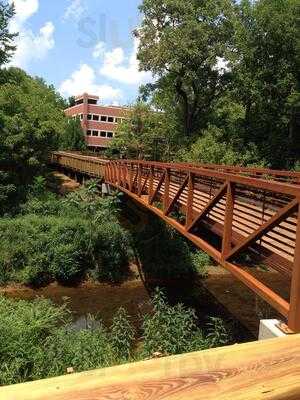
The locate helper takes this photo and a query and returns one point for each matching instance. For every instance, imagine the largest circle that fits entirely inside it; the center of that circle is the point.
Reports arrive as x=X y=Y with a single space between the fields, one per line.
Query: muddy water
x=101 y=300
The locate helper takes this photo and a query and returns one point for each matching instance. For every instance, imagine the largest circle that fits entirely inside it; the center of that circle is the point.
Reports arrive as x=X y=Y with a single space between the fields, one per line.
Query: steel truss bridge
x=241 y=217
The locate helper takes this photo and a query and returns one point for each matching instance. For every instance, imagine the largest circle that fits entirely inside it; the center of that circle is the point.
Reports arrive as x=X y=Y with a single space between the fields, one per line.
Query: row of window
x=101 y=118
x=103 y=134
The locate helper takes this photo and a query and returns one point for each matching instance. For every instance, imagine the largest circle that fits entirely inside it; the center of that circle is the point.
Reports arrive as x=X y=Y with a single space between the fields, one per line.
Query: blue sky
x=81 y=45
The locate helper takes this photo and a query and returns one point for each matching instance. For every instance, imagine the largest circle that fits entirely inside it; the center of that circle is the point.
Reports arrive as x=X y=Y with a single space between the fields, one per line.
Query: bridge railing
x=240 y=220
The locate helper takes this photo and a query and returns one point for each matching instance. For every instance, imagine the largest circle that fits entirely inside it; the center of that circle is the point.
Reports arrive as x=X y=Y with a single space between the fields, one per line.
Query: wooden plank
x=266 y=370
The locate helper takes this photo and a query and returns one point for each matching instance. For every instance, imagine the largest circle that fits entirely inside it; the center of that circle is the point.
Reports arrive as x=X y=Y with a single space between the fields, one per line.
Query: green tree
x=181 y=43
x=265 y=67
x=73 y=137
x=31 y=120
x=142 y=134
x=7 y=46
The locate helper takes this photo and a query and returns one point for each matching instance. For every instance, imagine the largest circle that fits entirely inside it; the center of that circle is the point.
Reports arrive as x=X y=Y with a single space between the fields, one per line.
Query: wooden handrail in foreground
x=265 y=370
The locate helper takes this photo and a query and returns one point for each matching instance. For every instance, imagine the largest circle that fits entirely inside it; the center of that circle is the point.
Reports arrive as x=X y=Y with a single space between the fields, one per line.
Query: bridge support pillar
x=271 y=328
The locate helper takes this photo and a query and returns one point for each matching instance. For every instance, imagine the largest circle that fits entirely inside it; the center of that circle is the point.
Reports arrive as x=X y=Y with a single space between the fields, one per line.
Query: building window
x=103 y=134
x=89 y=117
x=95 y=133
x=95 y=117
x=110 y=134
x=110 y=119
x=103 y=118
x=77 y=102
x=118 y=120
x=92 y=101
x=81 y=117
x=89 y=133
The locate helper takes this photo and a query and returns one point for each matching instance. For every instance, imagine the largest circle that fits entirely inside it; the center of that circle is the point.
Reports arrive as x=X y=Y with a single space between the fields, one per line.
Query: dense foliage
x=31 y=120
x=36 y=340
x=226 y=82
x=64 y=240
x=73 y=137
x=7 y=46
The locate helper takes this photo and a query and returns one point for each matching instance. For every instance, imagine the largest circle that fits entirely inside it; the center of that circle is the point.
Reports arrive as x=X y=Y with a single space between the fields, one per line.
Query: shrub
x=24 y=327
x=122 y=335
x=82 y=350
x=110 y=252
x=201 y=261
x=219 y=333
x=168 y=330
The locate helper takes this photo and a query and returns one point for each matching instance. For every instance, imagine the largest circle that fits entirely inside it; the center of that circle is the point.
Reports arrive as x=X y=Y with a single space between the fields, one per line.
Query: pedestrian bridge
x=242 y=217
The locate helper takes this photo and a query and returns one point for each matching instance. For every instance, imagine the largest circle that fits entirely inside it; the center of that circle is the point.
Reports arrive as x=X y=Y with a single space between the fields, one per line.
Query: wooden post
x=294 y=313
x=166 y=191
x=227 y=233
x=189 y=206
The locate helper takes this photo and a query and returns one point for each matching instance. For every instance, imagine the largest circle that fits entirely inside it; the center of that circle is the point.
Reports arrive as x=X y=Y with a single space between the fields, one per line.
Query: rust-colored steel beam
x=227 y=233
x=294 y=314
x=157 y=189
x=177 y=195
x=190 y=200
x=209 y=206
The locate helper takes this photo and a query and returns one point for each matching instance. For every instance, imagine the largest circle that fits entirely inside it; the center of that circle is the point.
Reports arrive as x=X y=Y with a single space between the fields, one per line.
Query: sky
x=81 y=46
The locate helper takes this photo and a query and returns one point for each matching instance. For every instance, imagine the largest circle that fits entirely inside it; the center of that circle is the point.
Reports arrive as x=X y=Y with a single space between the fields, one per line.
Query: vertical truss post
x=190 y=199
x=151 y=182
x=166 y=191
x=227 y=233
x=118 y=173
x=294 y=313
x=130 y=177
x=139 y=180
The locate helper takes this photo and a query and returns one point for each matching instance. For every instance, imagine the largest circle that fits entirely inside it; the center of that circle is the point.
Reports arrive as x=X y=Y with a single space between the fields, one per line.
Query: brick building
x=98 y=122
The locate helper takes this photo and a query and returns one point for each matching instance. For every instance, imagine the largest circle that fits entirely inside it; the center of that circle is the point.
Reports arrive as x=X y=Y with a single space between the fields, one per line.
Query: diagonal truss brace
x=209 y=206
x=280 y=216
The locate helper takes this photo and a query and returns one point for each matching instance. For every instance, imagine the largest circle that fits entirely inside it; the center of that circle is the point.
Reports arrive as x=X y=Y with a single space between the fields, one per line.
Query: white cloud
x=24 y=9
x=117 y=66
x=84 y=80
x=99 y=50
x=30 y=46
x=33 y=47
x=74 y=10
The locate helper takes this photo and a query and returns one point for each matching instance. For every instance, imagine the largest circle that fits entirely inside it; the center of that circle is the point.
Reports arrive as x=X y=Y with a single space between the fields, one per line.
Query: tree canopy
x=31 y=122
x=229 y=68
x=7 y=46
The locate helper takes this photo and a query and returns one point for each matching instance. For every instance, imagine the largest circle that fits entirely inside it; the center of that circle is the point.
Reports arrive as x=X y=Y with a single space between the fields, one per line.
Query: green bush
x=82 y=350
x=24 y=327
x=168 y=330
x=201 y=261
x=122 y=335
x=110 y=252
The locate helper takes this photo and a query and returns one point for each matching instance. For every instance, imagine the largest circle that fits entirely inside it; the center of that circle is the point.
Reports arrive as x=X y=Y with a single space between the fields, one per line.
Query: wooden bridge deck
x=240 y=216
x=266 y=370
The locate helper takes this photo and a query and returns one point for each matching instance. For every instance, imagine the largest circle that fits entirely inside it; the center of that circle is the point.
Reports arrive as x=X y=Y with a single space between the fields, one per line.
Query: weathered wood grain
x=268 y=370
